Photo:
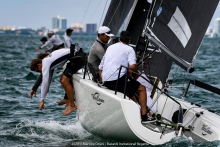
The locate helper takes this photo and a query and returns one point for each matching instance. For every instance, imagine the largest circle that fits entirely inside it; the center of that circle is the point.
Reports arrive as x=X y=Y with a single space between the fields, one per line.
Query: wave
x=49 y=131
x=30 y=76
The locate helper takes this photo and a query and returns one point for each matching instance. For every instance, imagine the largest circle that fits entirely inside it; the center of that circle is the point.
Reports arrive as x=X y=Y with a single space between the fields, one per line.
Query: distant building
x=77 y=28
x=55 y=23
x=217 y=27
x=6 y=28
x=63 y=24
x=59 y=23
x=91 y=28
x=209 y=32
x=25 y=31
x=42 y=31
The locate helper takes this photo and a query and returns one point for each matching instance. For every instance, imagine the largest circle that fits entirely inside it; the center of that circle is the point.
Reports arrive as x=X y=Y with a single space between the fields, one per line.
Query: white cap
x=50 y=32
x=105 y=30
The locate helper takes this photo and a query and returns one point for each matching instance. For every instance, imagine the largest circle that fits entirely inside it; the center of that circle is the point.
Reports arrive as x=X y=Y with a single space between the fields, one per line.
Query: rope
x=173 y=75
x=149 y=15
x=148 y=21
x=95 y=10
x=103 y=13
x=108 y=77
x=85 y=12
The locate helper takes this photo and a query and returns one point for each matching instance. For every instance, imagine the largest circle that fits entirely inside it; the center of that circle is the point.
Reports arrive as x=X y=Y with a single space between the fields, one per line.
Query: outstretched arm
x=47 y=43
x=36 y=85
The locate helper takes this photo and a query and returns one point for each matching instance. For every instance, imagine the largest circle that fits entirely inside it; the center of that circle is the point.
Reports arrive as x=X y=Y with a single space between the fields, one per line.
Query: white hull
x=105 y=114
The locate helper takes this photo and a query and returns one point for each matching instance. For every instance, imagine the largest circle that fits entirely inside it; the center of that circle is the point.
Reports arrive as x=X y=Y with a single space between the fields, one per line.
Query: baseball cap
x=50 y=32
x=105 y=30
x=69 y=30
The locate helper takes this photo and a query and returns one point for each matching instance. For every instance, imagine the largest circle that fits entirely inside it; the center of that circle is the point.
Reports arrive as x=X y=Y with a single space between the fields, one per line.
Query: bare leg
x=62 y=102
x=134 y=99
x=70 y=106
x=142 y=99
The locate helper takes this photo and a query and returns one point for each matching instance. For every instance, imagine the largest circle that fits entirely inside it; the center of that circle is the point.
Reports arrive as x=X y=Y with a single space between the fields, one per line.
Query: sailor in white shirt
x=67 y=38
x=122 y=54
x=46 y=67
x=55 y=40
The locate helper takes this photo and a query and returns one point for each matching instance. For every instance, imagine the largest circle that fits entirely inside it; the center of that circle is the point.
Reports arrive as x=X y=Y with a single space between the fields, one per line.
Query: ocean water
x=22 y=124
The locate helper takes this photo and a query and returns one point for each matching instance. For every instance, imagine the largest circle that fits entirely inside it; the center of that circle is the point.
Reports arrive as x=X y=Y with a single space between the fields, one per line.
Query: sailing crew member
x=67 y=38
x=55 y=40
x=47 y=66
x=122 y=54
x=98 y=49
x=49 y=46
x=39 y=81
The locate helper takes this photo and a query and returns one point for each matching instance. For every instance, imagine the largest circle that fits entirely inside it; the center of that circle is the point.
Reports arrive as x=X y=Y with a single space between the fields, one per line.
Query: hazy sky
x=38 y=13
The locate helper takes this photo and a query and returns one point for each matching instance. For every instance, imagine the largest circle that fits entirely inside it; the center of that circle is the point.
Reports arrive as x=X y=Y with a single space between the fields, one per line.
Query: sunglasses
x=109 y=32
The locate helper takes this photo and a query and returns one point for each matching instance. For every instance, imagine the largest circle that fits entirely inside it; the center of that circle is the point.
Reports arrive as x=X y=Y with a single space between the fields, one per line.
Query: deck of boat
x=164 y=129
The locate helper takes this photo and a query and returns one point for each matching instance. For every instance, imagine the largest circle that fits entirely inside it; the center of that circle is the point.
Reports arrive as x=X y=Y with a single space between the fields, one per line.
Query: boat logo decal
x=206 y=130
x=95 y=96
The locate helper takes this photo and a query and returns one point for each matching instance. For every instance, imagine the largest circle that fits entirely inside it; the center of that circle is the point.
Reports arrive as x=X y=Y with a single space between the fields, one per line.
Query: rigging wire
x=85 y=12
x=148 y=20
x=103 y=13
x=95 y=10
x=149 y=14
x=172 y=76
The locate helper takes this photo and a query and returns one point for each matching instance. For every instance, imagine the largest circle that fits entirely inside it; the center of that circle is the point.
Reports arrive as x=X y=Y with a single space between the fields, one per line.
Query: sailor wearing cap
x=98 y=49
x=55 y=40
x=44 y=40
x=67 y=39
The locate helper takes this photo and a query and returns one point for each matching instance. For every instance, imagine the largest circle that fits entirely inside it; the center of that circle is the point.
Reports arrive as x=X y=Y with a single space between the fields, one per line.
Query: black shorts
x=73 y=67
x=132 y=85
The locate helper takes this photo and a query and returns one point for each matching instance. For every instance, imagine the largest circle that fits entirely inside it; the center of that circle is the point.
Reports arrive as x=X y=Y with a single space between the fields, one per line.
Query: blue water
x=22 y=124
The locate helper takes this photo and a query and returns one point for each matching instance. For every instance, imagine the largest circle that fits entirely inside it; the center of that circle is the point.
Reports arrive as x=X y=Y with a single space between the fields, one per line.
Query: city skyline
x=37 y=14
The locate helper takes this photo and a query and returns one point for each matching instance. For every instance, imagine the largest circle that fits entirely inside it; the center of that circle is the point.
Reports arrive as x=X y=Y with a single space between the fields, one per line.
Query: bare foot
x=62 y=102
x=69 y=109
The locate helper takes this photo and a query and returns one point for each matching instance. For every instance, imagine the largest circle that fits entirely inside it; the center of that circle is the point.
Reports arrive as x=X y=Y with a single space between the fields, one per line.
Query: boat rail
x=180 y=116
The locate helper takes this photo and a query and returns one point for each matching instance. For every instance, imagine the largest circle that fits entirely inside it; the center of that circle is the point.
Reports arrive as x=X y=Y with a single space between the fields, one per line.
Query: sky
x=39 y=13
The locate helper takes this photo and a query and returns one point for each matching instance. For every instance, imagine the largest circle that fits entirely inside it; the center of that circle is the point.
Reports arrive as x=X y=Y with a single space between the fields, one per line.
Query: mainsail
x=180 y=25
x=138 y=19
x=116 y=14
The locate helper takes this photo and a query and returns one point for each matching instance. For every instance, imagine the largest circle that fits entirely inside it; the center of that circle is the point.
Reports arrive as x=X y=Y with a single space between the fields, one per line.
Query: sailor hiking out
x=49 y=46
x=47 y=65
x=55 y=40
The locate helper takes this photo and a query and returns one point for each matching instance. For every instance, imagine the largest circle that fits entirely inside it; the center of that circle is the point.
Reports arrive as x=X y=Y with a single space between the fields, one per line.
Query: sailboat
x=164 y=31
